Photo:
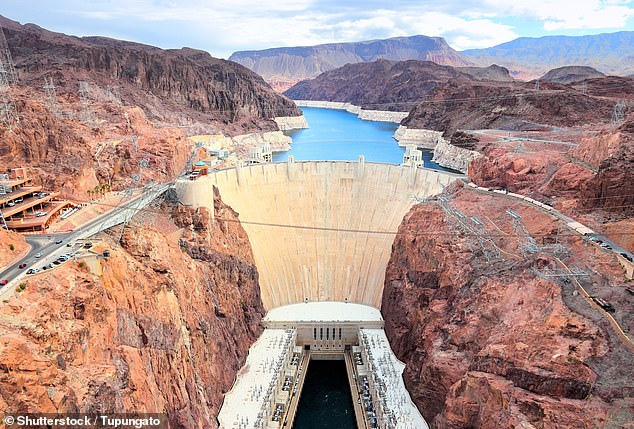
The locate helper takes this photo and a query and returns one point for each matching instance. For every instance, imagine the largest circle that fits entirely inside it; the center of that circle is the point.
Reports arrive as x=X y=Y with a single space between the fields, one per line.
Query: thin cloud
x=224 y=26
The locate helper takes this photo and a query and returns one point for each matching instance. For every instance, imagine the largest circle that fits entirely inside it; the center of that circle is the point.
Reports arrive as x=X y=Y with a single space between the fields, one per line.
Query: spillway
x=319 y=230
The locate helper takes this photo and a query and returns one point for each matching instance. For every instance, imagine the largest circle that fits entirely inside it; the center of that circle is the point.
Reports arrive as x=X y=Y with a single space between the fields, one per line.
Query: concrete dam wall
x=312 y=225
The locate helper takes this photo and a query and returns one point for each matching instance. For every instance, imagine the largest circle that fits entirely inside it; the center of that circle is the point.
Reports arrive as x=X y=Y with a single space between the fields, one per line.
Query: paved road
x=46 y=244
x=567 y=219
x=510 y=138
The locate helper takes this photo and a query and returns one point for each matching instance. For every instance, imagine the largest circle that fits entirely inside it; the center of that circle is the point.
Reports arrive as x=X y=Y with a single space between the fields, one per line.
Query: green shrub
x=11 y=247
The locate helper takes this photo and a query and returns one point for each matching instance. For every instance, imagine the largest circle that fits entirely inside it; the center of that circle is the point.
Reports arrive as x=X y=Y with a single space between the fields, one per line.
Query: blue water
x=342 y=136
x=326 y=401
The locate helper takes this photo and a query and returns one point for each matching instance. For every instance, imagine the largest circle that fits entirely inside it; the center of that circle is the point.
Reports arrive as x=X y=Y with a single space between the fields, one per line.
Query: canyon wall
x=278 y=141
x=593 y=176
x=488 y=343
x=164 y=328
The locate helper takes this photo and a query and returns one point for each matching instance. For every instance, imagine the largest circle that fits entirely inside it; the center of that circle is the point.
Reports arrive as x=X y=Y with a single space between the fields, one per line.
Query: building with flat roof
x=267 y=389
x=26 y=208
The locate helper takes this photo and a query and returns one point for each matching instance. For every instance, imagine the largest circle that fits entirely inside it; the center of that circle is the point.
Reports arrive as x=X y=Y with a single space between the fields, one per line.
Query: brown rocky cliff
x=164 y=329
x=61 y=154
x=488 y=343
x=612 y=153
x=595 y=175
x=189 y=80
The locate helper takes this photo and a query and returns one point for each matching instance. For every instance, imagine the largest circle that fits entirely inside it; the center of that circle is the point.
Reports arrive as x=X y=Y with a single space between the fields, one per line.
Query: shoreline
x=364 y=115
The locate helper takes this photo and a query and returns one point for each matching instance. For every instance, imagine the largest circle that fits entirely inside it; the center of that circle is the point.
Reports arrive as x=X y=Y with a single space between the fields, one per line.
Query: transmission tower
x=6 y=61
x=51 y=97
x=8 y=114
x=85 y=114
x=537 y=86
x=112 y=93
x=618 y=114
x=584 y=88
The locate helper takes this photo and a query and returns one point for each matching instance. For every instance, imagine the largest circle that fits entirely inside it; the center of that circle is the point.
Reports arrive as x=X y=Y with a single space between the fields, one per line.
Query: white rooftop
x=389 y=370
x=324 y=311
x=243 y=403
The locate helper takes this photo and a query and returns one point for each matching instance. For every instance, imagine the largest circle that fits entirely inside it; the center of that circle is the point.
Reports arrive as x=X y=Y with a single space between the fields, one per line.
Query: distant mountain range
x=526 y=58
x=284 y=66
x=611 y=53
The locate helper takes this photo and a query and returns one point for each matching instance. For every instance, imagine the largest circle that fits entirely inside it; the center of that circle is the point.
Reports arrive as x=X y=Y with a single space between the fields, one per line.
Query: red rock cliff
x=164 y=328
x=489 y=343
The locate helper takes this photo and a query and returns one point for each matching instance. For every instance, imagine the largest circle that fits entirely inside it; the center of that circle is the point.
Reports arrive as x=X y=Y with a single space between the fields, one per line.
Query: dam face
x=319 y=230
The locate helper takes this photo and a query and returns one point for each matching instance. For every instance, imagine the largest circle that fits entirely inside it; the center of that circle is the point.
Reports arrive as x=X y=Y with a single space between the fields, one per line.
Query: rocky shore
x=278 y=141
x=286 y=123
x=366 y=115
x=453 y=157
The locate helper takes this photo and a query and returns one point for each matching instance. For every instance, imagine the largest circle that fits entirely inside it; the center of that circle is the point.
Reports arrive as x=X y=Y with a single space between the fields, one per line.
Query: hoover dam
x=321 y=234
x=320 y=230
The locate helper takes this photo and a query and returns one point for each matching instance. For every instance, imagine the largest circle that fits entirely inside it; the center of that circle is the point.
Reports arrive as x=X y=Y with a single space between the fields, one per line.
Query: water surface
x=342 y=136
x=326 y=401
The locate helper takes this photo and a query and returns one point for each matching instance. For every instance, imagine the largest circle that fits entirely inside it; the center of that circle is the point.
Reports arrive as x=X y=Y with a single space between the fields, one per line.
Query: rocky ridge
x=286 y=66
x=381 y=85
x=590 y=177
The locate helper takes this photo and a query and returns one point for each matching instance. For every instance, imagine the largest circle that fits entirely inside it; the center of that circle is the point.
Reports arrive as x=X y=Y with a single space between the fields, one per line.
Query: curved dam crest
x=312 y=225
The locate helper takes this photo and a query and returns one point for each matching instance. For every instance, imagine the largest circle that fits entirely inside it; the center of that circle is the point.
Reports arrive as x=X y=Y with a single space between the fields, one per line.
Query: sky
x=224 y=26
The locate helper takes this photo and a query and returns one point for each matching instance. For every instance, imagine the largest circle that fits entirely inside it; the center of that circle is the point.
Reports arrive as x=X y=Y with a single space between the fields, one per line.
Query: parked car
x=38 y=255
x=58 y=242
x=22 y=266
x=88 y=245
x=4 y=282
x=30 y=271
x=10 y=203
x=57 y=261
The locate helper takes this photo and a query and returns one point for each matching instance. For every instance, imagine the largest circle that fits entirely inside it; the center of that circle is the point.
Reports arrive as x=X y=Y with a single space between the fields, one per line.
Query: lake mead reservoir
x=341 y=136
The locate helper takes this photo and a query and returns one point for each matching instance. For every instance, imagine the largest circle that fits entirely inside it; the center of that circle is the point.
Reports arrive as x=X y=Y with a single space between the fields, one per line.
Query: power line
x=334 y=229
